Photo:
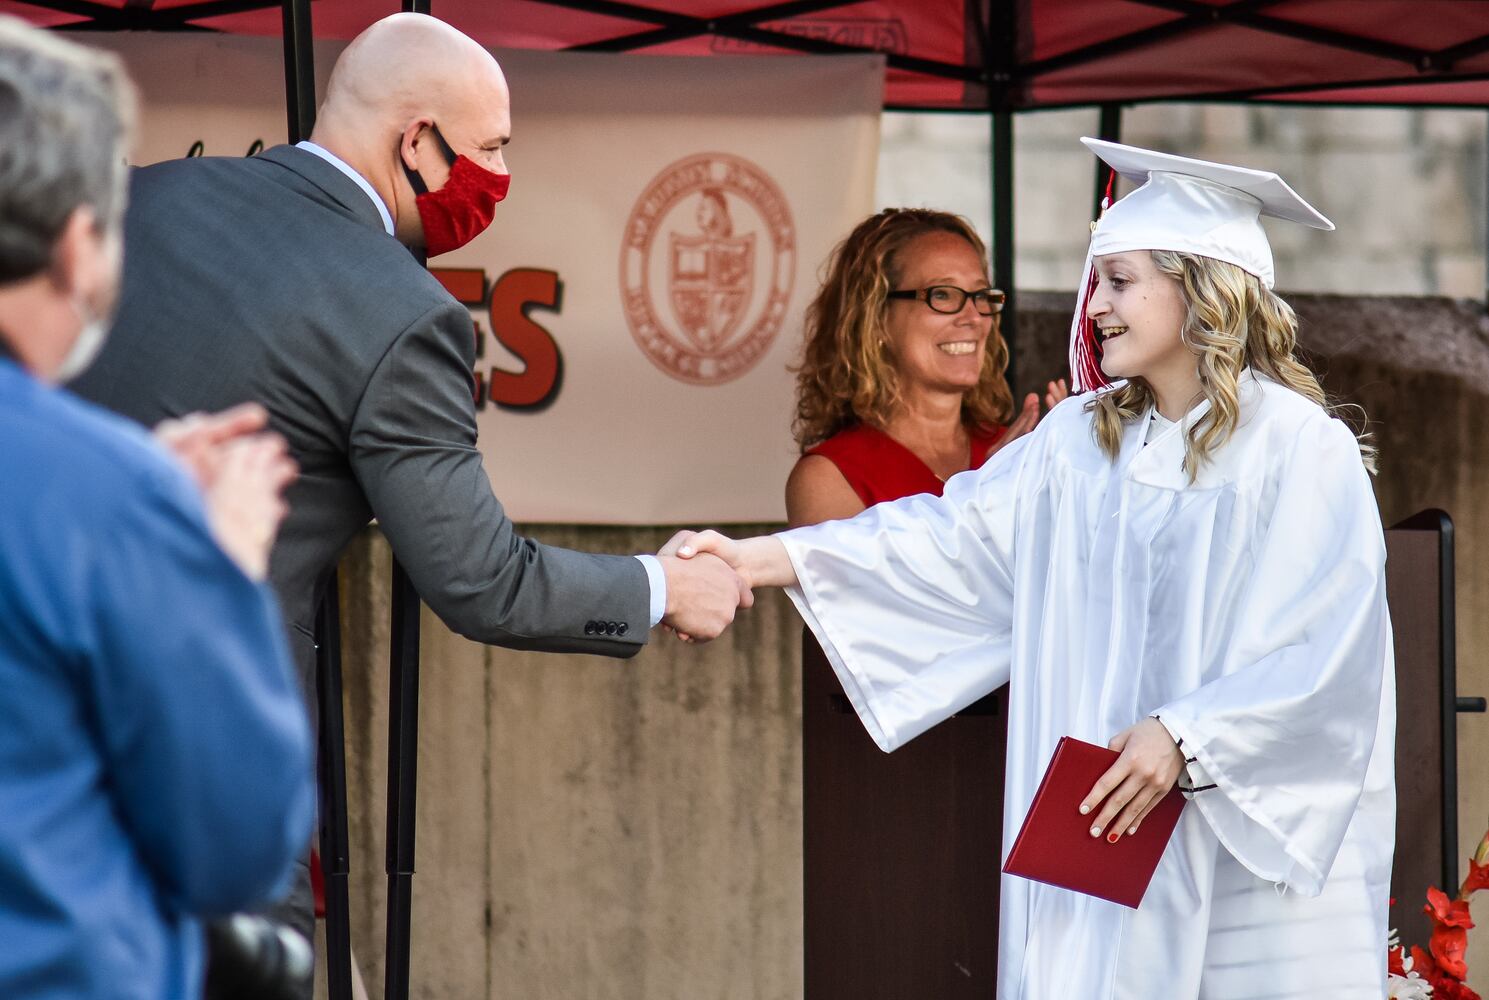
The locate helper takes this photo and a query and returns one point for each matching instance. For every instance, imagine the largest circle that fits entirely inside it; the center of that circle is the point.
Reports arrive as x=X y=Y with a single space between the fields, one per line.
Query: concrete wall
x=587 y=828
x=591 y=828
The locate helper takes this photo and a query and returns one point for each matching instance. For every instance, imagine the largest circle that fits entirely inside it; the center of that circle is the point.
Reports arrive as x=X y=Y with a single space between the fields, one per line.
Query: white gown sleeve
x=912 y=600
x=1286 y=733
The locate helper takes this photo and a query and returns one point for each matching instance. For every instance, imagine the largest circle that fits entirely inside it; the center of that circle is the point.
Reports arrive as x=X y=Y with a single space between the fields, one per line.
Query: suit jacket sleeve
x=413 y=450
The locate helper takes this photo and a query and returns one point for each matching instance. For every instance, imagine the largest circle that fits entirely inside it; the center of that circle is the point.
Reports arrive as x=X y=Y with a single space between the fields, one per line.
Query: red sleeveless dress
x=879 y=468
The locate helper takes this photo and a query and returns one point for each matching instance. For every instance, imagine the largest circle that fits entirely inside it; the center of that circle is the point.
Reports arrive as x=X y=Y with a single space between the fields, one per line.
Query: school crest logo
x=706 y=267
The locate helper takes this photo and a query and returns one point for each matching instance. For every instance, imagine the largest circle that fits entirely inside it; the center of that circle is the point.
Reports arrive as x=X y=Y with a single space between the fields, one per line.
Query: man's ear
x=408 y=146
x=75 y=262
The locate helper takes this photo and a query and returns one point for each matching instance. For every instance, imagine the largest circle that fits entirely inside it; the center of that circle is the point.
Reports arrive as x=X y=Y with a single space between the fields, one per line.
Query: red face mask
x=461 y=210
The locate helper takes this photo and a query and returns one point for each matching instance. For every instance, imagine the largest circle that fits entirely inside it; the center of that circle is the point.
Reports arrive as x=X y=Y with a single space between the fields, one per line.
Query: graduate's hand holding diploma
x=1149 y=764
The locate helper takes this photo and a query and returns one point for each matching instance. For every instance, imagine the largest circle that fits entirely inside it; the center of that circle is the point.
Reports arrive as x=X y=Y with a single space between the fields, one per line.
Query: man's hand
x=1149 y=765
x=702 y=595
x=242 y=472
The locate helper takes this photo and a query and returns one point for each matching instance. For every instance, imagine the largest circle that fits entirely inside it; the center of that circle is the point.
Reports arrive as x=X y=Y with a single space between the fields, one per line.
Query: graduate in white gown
x=1187 y=566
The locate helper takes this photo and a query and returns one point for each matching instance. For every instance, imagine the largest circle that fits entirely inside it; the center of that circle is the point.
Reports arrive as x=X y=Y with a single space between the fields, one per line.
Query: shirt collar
x=361 y=182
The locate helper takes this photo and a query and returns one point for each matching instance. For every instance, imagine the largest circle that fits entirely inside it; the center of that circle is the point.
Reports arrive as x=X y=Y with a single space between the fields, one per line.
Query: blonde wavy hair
x=1232 y=321
x=847 y=375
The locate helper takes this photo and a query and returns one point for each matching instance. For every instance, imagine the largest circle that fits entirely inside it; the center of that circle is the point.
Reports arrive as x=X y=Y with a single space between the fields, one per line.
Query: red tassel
x=1088 y=350
x=1087 y=365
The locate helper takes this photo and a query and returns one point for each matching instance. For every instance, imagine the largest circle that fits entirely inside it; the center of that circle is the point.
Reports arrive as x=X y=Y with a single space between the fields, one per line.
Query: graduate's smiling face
x=1139 y=314
x=935 y=350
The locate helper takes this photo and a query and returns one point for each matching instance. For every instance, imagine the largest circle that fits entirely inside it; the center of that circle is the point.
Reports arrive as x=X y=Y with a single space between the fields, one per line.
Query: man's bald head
x=403 y=77
x=408 y=65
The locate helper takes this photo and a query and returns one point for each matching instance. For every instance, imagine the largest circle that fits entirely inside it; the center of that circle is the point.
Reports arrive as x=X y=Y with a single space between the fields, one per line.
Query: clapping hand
x=242 y=471
x=1028 y=415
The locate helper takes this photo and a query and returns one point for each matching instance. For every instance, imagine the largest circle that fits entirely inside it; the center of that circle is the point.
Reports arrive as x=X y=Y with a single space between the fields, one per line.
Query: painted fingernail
x=1085 y=809
x=1131 y=830
x=1111 y=838
x=686 y=550
x=1095 y=831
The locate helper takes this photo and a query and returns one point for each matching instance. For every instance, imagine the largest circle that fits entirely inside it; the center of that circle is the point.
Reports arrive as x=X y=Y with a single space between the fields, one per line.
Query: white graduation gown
x=1247 y=609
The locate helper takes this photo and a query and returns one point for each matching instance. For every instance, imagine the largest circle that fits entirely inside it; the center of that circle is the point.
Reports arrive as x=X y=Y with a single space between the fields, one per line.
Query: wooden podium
x=902 y=851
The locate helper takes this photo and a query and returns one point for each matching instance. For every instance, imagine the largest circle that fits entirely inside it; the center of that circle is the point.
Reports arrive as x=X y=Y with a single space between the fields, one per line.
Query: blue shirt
x=155 y=757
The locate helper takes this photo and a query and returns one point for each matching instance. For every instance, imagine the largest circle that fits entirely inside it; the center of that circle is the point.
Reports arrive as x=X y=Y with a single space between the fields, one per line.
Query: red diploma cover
x=1055 y=845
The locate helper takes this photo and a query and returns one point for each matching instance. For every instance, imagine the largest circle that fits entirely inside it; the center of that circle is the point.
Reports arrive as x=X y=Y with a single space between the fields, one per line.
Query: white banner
x=639 y=297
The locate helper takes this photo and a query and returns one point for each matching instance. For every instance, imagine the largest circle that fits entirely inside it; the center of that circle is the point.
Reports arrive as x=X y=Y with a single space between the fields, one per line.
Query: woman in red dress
x=901 y=387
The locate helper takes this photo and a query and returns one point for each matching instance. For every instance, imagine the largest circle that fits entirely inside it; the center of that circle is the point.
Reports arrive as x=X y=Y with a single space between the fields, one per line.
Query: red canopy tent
x=965 y=54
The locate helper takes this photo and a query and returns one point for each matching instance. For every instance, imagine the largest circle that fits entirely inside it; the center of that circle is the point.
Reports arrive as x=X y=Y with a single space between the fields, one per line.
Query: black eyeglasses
x=950 y=299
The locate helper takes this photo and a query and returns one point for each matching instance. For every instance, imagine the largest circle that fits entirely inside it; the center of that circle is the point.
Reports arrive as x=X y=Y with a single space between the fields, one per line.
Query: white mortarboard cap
x=1189 y=206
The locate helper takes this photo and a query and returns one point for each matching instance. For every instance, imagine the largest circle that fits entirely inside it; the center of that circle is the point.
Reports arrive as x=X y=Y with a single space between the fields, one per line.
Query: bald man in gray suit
x=295 y=279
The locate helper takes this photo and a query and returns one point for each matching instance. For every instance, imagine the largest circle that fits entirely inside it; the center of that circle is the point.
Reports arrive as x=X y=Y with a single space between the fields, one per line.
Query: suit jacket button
x=611 y=628
x=621 y=629
x=589 y=628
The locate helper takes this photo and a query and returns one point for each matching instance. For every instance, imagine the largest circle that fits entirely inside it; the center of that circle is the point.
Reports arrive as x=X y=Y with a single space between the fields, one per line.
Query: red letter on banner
x=512 y=295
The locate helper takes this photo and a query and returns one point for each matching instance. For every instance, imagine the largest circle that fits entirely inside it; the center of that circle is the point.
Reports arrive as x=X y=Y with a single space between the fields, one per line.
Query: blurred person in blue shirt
x=155 y=757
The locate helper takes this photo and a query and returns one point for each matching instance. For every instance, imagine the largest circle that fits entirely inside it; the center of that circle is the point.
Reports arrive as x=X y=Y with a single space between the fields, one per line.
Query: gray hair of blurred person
x=66 y=116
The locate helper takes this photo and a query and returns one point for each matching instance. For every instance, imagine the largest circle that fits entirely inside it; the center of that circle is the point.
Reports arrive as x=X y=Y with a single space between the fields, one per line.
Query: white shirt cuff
x=658 y=580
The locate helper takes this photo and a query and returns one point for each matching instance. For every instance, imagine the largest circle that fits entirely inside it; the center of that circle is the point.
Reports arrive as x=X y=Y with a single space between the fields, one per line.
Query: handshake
x=711 y=576
x=703 y=589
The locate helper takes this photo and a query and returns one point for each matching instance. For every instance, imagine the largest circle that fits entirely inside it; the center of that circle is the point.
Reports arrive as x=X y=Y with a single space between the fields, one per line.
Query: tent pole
x=335 y=848
x=1110 y=129
x=403 y=742
x=1003 y=272
x=299 y=69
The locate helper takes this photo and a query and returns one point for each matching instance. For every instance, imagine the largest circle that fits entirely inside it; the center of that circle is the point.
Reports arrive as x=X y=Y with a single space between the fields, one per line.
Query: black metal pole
x=1000 y=54
x=416 y=6
x=403 y=745
x=299 y=69
x=335 y=849
x=1448 y=640
x=1110 y=129
x=1003 y=270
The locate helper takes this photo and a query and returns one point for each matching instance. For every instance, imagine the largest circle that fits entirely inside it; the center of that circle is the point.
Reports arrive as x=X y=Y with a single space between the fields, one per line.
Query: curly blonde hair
x=1232 y=321
x=847 y=375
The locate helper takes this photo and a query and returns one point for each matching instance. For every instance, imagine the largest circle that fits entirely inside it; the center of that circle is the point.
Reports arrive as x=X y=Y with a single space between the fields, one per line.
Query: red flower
x=1447 y=988
x=1445 y=912
x=1394 y=962
x=1423 y=965
x=1478 y=878
x=1448 y=946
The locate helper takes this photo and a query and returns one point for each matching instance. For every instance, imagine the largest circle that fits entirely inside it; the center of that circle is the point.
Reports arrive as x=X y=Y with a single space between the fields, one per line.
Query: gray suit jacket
x=272 y=279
